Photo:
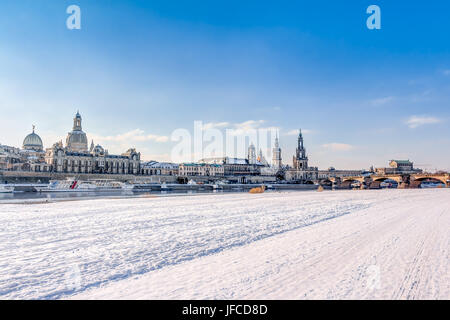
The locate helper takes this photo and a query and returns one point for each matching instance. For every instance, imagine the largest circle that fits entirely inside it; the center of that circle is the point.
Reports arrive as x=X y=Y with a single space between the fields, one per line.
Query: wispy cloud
x=381 y=101
x=136 y=135
x=425 y=95
x=417 y=121
x=239 y=128
x=215 y=125
x=446 y=72
x=247 y=127
x=250 y=124
x=334 y=146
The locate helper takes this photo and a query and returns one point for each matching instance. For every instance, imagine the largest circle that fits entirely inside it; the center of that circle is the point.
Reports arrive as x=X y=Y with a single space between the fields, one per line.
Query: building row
x=76 y=157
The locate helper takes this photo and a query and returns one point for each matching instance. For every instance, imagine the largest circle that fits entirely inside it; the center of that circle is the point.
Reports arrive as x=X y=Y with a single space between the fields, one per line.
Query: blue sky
x=137 y=70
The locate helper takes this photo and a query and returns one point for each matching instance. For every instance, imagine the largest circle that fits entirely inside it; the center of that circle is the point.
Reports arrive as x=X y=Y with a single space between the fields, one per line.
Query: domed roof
x=77 y=141
x=33 y=142
x=77 y=137
x=99 y=149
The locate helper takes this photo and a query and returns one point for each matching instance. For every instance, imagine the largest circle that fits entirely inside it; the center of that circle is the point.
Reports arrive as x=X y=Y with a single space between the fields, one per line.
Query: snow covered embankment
x=206 y=246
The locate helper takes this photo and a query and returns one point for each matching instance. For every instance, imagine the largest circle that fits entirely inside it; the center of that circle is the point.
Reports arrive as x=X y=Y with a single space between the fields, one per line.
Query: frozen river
x=290 y=245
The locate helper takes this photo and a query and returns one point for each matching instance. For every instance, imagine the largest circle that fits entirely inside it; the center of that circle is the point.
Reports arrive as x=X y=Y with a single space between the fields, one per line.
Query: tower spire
x=300 y=160
x=277 y=143
x=77 y=122
x=276 y=154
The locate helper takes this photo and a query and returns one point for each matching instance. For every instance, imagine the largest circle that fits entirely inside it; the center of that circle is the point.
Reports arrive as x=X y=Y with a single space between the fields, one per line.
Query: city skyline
x=363 y=96
x=272 y=151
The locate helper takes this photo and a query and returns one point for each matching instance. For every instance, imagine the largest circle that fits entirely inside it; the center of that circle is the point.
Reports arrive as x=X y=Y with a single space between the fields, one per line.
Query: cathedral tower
x=300 y=160
x=251 y=154
x=276 y=157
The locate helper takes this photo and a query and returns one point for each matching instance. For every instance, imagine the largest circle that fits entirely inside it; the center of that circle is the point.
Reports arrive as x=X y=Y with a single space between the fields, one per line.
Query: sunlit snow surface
x=80 y=248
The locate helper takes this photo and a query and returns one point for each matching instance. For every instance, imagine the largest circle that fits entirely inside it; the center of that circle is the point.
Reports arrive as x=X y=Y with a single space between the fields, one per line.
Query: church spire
x=251 y=154
x=77 y=122
x=276 y=153
x=300 y=160
x=300 y=140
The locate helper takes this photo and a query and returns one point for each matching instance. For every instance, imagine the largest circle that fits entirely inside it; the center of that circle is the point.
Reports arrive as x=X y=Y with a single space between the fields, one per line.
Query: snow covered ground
x=283 y=245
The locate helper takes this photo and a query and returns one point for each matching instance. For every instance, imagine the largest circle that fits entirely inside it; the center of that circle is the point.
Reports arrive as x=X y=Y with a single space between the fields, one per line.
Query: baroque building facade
x=151 y=168
x=200 y=169
x=399 y=167
x=235 y=166
x=75 y=157
x=30 y=158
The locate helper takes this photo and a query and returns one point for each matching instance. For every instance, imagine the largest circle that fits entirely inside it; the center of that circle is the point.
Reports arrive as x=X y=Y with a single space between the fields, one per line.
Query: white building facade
x=76 y=158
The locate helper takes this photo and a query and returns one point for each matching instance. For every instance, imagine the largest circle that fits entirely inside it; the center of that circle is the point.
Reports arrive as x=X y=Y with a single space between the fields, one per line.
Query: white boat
x=425 y=185
x=127 y=186
x=217 y=187
x=73 y=185
x=164 y=187
x=191 y=182
x=5 y=188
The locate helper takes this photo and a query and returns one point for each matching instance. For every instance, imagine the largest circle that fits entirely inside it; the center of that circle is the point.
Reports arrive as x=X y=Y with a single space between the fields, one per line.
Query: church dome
x=76 y=139
x=33 y=142
x=99 y=149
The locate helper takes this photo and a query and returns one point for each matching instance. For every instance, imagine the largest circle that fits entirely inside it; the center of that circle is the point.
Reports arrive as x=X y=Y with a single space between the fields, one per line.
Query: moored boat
x=165 y=187
x=5 y=188
x=74 y=185
x=217 y=187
